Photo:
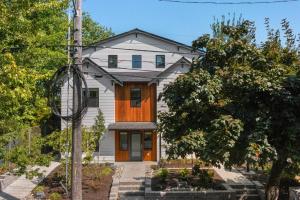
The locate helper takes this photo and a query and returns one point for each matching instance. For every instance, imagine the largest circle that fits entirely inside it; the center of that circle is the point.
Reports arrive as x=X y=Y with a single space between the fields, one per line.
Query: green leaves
x=240 y=101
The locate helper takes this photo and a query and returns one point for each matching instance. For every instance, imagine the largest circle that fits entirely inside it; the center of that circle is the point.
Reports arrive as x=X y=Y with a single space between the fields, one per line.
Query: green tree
x=239 y=102
x=93 y=31
x=32 y=47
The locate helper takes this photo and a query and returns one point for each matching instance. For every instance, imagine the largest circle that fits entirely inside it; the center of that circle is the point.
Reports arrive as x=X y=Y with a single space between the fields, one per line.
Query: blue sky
x=185 y=22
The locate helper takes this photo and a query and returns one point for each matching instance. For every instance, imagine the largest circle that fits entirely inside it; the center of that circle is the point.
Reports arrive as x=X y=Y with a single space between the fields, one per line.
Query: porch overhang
x=132 y=126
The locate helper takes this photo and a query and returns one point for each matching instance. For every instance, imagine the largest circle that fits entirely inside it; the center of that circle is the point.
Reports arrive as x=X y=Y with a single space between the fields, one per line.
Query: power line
x=102 y=47
x=230 y=2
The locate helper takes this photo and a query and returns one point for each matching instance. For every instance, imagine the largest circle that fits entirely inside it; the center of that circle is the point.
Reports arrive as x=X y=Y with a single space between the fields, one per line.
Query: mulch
x=95 y=185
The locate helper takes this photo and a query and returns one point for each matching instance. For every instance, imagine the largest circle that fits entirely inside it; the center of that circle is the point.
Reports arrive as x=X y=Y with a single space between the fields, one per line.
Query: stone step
x=132 y=187
x=132 y=198
x=243 y=186
x=125 y=193
x=141 y=183
x=248 y=197
x=246 y=191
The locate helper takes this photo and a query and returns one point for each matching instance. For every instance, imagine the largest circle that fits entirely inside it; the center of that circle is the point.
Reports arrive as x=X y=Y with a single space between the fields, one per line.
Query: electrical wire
x=57 y=81
x=230 y=2
x=10 y=49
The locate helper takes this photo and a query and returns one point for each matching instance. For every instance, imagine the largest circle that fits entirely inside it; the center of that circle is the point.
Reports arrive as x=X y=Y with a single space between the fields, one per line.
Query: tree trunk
x=273 y=185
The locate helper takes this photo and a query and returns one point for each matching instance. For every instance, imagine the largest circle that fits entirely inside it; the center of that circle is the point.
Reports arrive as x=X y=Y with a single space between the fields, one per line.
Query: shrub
x=106 y=171
x=196 y=169
x=184 y=173
x=206 y=178
x=162 y=173
x=39 y=189
x=55 y=196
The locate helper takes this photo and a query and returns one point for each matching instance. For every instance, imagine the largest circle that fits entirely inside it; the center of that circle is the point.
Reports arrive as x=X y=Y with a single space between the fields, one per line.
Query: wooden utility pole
x=77 y=98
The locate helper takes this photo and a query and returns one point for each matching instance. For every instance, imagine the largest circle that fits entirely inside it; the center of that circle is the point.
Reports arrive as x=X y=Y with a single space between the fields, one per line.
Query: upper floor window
x=135 y=97
x=160 y=61
x=112 y=61
x=93 y=97
x=136 y=61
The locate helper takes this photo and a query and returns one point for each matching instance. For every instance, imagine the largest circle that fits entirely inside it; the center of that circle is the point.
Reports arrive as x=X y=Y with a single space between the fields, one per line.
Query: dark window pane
x=93 y=97
x=160 y=61
x=123 y=141
x=135 y=97
x=112 y=61
x=136 y=61
x=148 y=140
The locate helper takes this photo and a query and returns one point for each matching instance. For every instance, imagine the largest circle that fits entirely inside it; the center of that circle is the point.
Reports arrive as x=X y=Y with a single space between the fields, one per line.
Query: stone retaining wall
x=227 y=194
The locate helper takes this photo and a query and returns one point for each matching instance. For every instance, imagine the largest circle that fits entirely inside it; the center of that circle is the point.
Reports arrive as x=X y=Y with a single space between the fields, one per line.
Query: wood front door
x=135 y=146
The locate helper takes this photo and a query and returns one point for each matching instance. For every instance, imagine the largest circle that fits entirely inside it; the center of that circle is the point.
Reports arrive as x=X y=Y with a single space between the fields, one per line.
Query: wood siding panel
x=121 y=155
x=126 y=113
x=150 y=155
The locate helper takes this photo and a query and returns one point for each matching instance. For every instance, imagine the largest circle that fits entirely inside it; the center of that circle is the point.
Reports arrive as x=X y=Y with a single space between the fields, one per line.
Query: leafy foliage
x=93 y=31
x=239 y=102
x=32 y=46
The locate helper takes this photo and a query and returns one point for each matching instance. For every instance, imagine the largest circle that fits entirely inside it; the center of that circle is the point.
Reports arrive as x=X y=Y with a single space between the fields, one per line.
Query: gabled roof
x=139 y=31
x=181 y=61
x=104 y=72
x=147 y=76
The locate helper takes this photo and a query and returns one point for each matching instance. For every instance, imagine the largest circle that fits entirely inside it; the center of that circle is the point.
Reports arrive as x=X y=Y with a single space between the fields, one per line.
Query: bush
x=39 y=189
x=196 y=169
x=162 y=173
x=184 y=173
x=55 y=196
x=206 y=178
x=106 y=171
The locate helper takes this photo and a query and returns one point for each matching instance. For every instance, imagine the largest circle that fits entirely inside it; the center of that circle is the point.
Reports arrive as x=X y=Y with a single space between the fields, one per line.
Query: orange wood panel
x=150 y=154
x=146 y=112
x=121 y=155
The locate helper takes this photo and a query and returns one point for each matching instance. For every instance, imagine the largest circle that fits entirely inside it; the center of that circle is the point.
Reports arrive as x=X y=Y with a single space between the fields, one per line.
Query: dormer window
x=136 y=61
x=160 y=61
x=112 y=61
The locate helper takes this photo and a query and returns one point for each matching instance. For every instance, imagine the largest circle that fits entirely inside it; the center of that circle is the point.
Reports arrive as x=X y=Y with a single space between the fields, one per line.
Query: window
x=135 y=97
x=160 y=61
x=93 y=97
x=112 y=61
x=147 y=140
x=136 y=61
x=123 y=141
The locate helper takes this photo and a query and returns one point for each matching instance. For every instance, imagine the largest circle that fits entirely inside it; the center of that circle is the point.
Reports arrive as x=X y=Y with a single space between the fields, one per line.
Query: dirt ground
x=96 y=183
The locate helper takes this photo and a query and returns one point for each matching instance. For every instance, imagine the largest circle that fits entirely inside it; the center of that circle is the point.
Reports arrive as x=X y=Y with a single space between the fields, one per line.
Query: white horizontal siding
x=106 y=104
x=100 y=55
x=168 y=77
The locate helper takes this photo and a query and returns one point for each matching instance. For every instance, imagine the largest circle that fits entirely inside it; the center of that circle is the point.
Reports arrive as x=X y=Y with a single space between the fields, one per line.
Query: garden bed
x=185 y=180
x=186 y=184
x=181 y=163
x=96 y=183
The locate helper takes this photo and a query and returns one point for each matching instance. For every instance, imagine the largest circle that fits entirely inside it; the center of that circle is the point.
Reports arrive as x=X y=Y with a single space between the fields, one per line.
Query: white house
x=125 y=74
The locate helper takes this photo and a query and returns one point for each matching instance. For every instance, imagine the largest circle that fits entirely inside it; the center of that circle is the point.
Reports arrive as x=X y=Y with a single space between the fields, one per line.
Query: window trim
x=140 y=62
x=135 y=105
x=151 y=136
x=98 y=96
x=127 y=141
x=108 y=59
x=156 y=63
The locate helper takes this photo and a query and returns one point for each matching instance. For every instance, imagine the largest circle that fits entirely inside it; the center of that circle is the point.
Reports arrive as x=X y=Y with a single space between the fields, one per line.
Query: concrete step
x=141 y=183
x=132 y=187
x=132 y=198
x=246 y=191
x=243 y=186
x=248 y=197
x=125 y=193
